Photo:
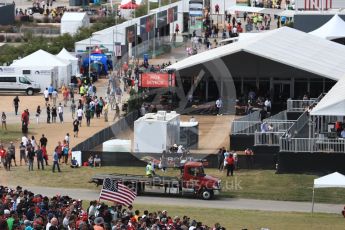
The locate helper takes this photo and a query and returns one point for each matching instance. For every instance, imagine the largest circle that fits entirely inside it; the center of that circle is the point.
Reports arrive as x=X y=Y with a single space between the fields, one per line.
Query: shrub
x=2 y=38
x=46 y=20
x=18 y=39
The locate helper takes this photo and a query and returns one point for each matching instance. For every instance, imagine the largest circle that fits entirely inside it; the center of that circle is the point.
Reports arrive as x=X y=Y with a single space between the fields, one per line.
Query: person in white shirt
x=80 y=115
x=54 y=96
x=268 y=105
x=60 y=112
x=219 y=105
x=192 y=119
x=67 y=138
x=25 y=140
x=46 y=96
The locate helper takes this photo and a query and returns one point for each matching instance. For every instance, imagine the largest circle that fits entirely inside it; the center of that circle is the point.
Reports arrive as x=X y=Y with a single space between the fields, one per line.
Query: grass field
x=243 y=219
x=12 y=133
x=256 y=184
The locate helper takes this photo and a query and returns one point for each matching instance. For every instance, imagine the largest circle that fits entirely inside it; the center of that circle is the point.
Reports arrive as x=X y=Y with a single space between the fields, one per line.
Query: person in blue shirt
x=50 y=91
x=56 y=160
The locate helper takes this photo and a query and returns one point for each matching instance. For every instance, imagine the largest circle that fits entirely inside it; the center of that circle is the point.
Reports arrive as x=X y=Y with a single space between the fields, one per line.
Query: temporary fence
x=312 y=145
x=247 y=124
x=107 y=133
x=299 y=105
x=268 y=138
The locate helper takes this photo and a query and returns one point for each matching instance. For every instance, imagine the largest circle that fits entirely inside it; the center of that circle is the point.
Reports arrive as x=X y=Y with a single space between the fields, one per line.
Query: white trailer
x=156 y=132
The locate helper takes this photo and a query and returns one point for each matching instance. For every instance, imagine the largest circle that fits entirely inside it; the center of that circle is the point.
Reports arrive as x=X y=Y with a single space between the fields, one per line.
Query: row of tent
x=66 y=64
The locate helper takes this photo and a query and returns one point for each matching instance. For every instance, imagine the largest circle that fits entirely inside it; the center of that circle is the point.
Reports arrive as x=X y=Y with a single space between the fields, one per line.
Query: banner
x=118 y=50
x=130 y=34
x=161 y=19
x=147 y=26
x=157 y=80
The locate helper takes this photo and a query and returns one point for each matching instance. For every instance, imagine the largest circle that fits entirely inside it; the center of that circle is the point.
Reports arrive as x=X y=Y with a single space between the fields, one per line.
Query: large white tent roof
x=284 y=45
x=333 y=29
x=64 y=54
x=103 y=39
x=40 y=58
x=333 y=103
x=334 y=180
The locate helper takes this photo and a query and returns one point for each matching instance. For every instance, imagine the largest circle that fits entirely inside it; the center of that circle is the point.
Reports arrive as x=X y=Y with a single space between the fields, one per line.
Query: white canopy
x=64 y=54
x=107 y=40
x=284 y=45
x=333 y=103
x=41 y=58
x=333 y=180
x=333 y=29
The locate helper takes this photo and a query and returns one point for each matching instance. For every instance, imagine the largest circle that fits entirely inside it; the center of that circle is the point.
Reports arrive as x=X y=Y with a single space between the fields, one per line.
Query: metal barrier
x=281 y=116
x=312 y=145
x=107 y=133
x=268 y=138
x=298 y=105
x=247 y=124
x=298 y=125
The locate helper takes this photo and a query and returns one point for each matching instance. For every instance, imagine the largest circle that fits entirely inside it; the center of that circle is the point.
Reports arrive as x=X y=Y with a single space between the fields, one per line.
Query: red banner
x=157 y=80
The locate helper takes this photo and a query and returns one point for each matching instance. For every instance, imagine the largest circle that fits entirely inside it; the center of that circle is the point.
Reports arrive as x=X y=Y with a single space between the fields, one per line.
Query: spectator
x=56 y=161
x=97 y=161
x=74 y=163
x=3 y=121
x=16 y=104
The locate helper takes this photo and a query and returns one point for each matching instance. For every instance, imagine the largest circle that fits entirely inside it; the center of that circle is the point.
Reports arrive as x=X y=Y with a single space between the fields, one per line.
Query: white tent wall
x=44 y=60
x=72 y=21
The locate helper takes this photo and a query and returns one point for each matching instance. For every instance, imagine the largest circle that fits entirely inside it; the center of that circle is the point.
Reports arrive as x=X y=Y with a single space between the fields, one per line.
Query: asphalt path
x=220 y=203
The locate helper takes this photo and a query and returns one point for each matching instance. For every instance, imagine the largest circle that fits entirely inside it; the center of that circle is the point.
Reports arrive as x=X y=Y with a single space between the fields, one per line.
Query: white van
x=18 y=84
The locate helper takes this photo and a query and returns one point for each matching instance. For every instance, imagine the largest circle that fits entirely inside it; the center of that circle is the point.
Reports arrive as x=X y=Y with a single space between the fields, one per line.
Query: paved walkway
x=226 y=203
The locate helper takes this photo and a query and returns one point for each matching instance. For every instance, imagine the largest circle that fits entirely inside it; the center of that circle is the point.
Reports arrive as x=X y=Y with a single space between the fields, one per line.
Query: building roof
x=333 y=29
x=64 y=54
x=73 y=16
x=284 y=45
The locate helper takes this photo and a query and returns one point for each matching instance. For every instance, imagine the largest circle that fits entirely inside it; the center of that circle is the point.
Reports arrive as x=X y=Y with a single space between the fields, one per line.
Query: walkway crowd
x=23 y=210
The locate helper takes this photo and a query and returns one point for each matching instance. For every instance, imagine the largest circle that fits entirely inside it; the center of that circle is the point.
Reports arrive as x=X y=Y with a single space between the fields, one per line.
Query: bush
x=18 y=39
x=38 y=20
x=2 y=38
x=9 y=38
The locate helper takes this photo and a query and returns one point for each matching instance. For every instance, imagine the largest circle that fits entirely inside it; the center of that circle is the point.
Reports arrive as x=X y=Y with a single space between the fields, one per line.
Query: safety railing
x=298 y=125
x=268 y=138
x=246 y=124
x=281 y=116
x=298 y=105
x=312 y=145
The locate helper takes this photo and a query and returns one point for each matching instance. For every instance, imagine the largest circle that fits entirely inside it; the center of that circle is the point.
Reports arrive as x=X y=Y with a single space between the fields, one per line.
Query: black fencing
x=107 y=133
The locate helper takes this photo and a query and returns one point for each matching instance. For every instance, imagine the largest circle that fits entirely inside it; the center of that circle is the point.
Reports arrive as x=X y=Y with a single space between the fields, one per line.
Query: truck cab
x=194 y=180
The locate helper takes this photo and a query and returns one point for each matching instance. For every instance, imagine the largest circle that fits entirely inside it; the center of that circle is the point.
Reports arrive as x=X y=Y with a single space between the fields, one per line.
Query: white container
x=153 y=134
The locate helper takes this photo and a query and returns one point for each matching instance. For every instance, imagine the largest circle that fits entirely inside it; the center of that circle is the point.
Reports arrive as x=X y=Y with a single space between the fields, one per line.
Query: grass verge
x=255 y=184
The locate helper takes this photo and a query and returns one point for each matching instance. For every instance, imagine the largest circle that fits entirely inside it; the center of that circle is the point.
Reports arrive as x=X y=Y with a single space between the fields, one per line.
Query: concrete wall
x=7 y=14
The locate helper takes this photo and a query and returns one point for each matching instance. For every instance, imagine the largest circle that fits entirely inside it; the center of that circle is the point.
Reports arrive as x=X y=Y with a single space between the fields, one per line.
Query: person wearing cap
x=99 y=223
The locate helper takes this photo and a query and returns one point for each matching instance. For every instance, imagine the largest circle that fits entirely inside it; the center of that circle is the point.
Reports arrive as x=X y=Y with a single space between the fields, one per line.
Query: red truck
x=192 y=181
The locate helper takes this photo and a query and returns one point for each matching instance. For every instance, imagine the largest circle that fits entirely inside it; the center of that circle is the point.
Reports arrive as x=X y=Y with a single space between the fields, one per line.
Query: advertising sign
x=147 y=25
x=157 y=80
x=162 y=19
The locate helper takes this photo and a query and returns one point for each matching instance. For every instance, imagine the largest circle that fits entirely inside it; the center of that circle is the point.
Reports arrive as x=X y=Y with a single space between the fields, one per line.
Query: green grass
x=243 y=219
x=255 y=184
x=12 y=133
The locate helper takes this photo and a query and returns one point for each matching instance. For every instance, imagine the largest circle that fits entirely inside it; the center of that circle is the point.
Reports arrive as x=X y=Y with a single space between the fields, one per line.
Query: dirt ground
x=55 y=131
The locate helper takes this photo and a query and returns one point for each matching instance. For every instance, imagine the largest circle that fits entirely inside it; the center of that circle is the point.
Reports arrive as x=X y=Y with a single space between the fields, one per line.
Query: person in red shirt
x=230 y=165
x=2 y=155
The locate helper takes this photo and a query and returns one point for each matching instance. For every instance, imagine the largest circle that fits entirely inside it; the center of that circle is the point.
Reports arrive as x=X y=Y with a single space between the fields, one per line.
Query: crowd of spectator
x=23 y=210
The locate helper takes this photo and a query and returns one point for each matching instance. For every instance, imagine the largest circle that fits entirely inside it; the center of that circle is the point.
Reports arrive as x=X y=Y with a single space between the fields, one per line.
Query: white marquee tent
x=333 y=29
x=64 y=54
x=284 y=45
x=44 y=59
x=333 y=180
x=333 y=103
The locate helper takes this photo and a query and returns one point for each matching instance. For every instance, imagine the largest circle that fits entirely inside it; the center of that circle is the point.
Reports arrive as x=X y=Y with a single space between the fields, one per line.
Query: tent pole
x=312 y=206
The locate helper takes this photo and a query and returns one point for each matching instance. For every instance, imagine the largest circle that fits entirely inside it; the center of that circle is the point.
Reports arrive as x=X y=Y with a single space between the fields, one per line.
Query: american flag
x=116 y=192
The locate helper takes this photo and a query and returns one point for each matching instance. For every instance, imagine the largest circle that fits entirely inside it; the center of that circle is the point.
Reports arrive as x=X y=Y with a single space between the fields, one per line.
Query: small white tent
x=72 y=21
x=333 y=180
x=41 y=58
x=333 y=29
x=333 y=103
x=64 y=54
